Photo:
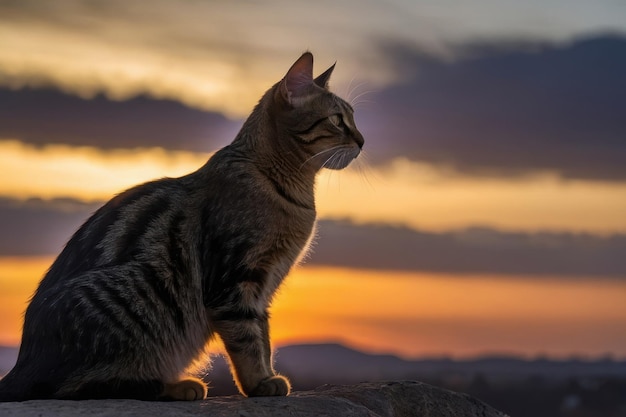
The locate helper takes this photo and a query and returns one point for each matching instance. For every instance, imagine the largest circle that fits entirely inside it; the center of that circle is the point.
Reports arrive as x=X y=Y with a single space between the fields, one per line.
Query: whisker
x=366 y=171
x=328 y=178
x=348 y=89
x=331 y=157
x=356 y=87
x=334 y=148
x=354 y=102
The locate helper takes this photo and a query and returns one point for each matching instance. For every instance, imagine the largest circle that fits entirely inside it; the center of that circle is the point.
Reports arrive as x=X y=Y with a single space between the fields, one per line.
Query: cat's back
x=134 y=225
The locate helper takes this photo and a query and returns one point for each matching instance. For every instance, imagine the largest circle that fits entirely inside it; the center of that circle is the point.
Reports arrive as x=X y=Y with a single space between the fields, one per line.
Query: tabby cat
x=142 y=287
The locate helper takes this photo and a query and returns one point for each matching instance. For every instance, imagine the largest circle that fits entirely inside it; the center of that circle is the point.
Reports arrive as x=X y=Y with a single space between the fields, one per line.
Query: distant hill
x=310 y=365
x=314 y=360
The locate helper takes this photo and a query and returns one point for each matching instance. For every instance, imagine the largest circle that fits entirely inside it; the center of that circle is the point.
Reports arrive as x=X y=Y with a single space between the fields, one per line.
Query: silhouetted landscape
x=538 y=387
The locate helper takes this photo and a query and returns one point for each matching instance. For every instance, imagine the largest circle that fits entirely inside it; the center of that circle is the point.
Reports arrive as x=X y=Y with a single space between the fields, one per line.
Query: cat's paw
x=273 y=386
x=188 y=389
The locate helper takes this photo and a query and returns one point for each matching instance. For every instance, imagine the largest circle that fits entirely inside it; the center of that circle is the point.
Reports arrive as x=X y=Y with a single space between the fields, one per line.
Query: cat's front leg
x=248 y=346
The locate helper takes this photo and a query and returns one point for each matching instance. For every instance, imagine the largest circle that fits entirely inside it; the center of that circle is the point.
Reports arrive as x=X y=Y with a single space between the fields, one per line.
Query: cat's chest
x=277 y=254
x=281 y=247
x=256 y=295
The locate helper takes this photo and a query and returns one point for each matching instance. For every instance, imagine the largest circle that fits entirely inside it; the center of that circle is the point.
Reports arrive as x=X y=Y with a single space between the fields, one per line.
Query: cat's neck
x=282 y=166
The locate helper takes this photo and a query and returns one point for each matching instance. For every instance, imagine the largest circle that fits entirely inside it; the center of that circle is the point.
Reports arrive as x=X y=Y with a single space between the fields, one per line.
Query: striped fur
x=142 y=287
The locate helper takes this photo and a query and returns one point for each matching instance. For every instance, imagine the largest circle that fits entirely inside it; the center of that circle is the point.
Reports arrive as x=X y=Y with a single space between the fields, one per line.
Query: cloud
x=38 y=227
x=47 y=116
x=496 y=109
x=472 y=250
x=431 y=198
x=221 y=55
x=86 y=173
x=507 y=109
x=210 y=55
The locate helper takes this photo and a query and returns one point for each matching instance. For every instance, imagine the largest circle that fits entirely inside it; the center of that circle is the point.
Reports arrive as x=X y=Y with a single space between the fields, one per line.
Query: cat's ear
x=298 y=78
x=322 y=79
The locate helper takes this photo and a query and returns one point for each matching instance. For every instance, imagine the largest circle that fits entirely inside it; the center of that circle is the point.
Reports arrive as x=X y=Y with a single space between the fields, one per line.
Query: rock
x=369 y=399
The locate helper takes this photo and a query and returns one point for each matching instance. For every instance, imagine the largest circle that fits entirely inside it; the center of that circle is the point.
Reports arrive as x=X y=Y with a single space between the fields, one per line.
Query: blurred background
x=480 y=241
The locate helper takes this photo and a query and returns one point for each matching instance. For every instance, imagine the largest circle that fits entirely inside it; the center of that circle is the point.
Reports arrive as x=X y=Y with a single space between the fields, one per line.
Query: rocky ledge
x=369 y=399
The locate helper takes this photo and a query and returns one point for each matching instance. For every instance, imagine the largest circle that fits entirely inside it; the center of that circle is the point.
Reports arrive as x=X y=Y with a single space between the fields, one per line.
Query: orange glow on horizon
x=416 y=314
x=411 y=314
x=18 y=280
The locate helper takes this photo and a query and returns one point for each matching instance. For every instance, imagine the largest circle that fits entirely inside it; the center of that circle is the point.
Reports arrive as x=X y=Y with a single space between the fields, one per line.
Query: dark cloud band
x=37 y=227
x=507 y=109
x=47 y=116
x=472 y=250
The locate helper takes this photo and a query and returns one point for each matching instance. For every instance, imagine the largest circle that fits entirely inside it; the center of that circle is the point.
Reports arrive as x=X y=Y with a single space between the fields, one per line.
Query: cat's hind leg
x=188 y=389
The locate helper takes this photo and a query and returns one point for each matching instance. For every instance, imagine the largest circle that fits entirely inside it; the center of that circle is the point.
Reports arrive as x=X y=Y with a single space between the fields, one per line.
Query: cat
x=154 y=274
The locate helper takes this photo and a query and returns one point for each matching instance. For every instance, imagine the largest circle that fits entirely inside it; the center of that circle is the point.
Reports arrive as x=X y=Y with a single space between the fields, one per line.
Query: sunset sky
x=486 y=215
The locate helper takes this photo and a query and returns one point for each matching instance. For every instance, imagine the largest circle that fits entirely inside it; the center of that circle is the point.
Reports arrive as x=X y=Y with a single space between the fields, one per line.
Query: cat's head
x=317 y=122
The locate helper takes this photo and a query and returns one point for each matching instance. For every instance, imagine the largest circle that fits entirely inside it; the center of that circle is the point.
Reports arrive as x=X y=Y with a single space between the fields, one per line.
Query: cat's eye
x=336 y=119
